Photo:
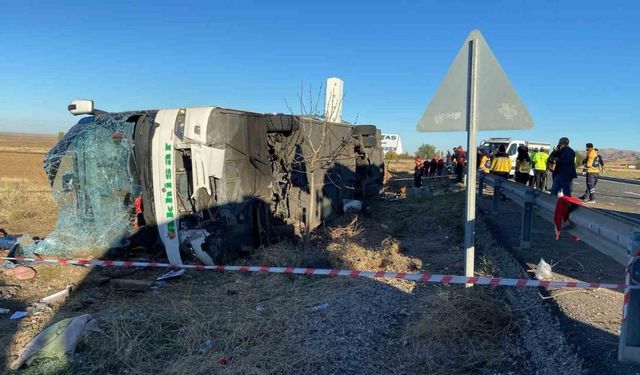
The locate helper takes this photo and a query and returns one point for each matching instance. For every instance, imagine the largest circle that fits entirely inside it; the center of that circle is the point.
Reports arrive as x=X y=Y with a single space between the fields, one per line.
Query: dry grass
x=345 y=252
x=24 y=150
x=633 y=174
x=26 y=203
x=247 y=319
x=250 y=339
x=477 y=314
x=461 y=331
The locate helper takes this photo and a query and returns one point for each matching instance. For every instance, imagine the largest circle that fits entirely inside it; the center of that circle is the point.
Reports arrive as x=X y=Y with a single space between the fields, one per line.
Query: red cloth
x=564 y=205
x=137 y=204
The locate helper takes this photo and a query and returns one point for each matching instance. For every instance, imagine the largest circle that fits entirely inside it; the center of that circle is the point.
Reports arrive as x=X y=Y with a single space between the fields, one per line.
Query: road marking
x=602 y=180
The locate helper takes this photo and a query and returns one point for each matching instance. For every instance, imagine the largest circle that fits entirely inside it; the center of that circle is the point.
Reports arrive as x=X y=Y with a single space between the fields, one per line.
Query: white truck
x=511 y=145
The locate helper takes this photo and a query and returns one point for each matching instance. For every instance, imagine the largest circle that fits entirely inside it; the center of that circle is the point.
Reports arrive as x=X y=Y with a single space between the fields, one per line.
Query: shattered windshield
x=491 y=146
x=94 y=183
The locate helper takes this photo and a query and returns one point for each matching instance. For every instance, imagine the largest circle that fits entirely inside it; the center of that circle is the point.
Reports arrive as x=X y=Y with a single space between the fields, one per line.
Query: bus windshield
x=93 y=182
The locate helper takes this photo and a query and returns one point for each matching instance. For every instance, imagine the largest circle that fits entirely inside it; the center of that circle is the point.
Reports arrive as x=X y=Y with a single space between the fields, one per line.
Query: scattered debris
x=21 y=272
x=223 y=361
x=351 y=205
x=206 y=345
x=8 y=291
x=58 y=297
x=37 y=308
x=58 y=340
x=543 y=271
x=322 y=306
x=18 y=315
x=171 y=274
x=130 y=284
x=259 y=307
x=4 y=311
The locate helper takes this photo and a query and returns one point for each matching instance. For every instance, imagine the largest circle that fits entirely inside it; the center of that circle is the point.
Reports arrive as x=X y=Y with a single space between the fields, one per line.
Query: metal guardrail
x=614 y=237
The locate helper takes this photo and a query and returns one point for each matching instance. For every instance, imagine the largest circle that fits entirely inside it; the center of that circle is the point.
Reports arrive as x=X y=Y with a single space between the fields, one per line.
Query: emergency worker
x=501 y=163
x=564 y=163
x=523 y=165
x=532 y=174
x=484 y=164
x=592 y=167
x=540 y=168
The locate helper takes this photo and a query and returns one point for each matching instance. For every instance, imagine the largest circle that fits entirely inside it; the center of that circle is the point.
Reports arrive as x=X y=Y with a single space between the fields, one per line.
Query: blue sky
x=575 y=64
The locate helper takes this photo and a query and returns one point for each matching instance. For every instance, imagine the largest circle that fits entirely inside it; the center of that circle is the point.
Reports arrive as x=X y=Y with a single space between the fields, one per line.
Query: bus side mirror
x=81 y=107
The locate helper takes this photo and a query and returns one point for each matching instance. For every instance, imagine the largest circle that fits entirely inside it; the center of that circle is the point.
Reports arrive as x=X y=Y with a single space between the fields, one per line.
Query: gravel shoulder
x=590 y=319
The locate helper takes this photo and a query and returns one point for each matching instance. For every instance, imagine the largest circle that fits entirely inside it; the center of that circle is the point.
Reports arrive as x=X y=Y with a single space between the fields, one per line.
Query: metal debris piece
x=18 y=315
x=57 y=340
x=171 y=274
x=58 y=297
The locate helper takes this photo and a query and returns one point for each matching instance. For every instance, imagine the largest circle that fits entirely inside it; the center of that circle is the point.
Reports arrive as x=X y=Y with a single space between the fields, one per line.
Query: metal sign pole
x=498 y=107
x=470 y=208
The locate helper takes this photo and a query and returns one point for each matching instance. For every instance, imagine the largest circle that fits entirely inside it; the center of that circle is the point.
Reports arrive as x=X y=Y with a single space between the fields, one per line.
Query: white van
x=511 y=145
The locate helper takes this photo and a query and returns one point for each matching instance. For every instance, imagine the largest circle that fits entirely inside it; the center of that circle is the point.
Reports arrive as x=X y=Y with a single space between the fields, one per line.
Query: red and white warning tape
x=424 y=178
x=420 y=277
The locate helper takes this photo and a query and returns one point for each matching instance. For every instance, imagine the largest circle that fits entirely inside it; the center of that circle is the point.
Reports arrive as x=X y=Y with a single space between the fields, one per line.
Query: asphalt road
x=614 y=198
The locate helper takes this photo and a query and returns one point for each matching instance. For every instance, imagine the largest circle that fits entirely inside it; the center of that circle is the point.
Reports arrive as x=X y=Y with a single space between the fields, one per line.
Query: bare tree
x=320 y=153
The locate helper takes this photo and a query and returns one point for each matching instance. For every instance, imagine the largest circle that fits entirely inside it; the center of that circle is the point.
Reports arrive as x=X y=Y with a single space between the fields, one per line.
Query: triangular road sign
x=497 y=105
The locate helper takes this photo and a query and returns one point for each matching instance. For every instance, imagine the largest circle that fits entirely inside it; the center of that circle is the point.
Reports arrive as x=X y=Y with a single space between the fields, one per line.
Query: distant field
x=26 y=143
x=633 y=174
x=26 y=204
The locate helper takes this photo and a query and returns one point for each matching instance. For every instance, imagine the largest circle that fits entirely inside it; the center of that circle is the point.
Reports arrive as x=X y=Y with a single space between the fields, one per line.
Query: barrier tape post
x=411 y=276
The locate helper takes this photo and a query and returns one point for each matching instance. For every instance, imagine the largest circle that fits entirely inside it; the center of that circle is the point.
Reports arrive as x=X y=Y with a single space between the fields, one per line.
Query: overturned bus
x=206 y=182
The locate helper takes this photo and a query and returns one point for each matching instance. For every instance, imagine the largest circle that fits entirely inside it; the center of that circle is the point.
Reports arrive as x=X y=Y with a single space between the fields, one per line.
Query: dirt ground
x=211 y=322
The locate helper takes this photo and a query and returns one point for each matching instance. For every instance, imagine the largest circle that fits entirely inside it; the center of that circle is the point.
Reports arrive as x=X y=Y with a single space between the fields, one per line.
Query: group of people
x=533 y=166
x=427 y=168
